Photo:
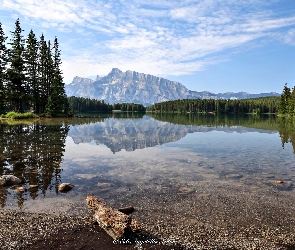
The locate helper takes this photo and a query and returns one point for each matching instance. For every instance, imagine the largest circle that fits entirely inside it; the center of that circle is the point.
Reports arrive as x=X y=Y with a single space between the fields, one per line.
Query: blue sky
x=207 y=45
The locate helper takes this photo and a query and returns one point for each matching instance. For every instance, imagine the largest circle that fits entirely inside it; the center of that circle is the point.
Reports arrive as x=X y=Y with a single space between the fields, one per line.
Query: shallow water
x=112 y=157
x=202 y=180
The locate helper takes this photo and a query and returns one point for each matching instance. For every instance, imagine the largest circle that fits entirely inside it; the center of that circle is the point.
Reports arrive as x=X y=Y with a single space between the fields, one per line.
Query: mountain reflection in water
x=34 y=152
x=132 y=134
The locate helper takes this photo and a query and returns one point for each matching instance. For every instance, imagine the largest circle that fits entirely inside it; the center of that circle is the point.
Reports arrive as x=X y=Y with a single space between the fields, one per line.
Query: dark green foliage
x=80 y=104
x=3 y=63
x=30 y=75
x=46 y=72
x=253 y=105
x=287 y=102
x=285 y=99
x=57 y=100
x=17 y=91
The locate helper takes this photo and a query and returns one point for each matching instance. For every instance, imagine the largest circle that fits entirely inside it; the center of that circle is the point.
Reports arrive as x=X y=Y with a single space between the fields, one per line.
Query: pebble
x=103 y=184
x=185 y=190
x=20 y=189
x=279 y=182
x=65 y=187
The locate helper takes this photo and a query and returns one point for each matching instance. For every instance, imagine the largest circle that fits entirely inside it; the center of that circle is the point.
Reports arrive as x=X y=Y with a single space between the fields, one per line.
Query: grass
x=15 y=115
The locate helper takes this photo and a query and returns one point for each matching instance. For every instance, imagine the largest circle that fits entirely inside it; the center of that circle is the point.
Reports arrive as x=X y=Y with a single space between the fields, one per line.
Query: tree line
x=30 y=74
x=220 y=106
x=81 y=104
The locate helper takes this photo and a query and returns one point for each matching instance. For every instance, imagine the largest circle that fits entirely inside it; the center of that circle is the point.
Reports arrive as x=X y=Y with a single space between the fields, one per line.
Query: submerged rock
x=126 y=210
x=185 y=190
x=20 y=189
x=9 y=180
x=103 y=184
x=65 y=187
x=279 y=182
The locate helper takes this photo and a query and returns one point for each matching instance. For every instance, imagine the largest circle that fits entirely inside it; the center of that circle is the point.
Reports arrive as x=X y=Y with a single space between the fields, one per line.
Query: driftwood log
x=117 y=224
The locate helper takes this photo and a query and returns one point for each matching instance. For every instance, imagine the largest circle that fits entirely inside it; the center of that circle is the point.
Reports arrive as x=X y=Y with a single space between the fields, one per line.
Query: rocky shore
x=177 y=227
x=178 y=217
x=33 y=231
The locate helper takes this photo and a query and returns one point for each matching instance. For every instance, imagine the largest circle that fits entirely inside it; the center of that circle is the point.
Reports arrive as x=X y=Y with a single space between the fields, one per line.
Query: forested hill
x=253 y=105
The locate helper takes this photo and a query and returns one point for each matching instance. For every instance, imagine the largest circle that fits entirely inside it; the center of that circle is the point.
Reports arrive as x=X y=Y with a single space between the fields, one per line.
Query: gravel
x=210 y=222
x=181 y=217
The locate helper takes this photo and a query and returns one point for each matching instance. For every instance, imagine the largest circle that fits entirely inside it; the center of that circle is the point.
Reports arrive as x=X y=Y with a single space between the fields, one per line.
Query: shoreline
x=33 y=231
x=216 y=221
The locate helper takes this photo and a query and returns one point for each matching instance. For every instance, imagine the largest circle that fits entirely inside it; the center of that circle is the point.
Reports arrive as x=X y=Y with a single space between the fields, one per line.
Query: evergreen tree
x=57 y=100
x=292 y=102
x=45 y=70
x=32 y=77
x=16 y=87
x=3 y=63
x=285 y=100
x=30 y=74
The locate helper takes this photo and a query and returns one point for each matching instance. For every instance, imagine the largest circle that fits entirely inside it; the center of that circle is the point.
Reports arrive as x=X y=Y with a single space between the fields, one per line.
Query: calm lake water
x=124 y=154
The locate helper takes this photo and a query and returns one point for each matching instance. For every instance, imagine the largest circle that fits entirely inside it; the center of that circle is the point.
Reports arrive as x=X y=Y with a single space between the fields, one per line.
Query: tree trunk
x=117 y=224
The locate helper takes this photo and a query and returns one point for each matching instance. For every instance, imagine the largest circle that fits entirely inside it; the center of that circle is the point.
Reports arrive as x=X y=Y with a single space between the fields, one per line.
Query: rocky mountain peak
x=115 y=73
x=134 y=87
x=79 y=80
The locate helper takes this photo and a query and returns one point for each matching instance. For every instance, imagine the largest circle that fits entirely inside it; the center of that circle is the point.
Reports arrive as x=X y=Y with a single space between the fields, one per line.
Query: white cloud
x=289 y=38
x=158 y=37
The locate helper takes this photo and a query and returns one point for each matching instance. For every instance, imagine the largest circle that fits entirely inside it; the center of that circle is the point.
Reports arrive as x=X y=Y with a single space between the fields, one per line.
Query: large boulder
x=9 y=180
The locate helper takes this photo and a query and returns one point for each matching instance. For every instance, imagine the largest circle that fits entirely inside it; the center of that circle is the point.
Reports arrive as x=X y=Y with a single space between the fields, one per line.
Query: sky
x=207 y=45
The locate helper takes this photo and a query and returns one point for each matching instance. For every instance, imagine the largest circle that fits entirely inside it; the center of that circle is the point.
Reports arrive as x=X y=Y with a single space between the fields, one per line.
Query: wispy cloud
x=158 y=37
x=289 y=38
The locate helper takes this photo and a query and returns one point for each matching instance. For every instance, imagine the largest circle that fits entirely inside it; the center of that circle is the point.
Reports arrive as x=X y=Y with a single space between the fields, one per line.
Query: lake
x=197 y=179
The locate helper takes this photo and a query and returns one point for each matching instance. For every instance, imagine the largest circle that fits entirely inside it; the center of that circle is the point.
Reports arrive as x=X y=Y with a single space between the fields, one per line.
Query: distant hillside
x=134 y=87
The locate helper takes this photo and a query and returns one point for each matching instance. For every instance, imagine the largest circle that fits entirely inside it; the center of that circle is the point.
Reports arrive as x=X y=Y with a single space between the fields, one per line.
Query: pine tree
x=16 y=88
x=3 y=63
x=292 y=101
x=42 y=74
x=57 y=100
x=45 y=70
x=285 y=100
x=31 y=63
x=30 y=74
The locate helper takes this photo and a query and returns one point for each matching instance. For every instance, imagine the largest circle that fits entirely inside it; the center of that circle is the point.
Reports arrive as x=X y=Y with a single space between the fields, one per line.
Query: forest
x=220 y=106
x=81 y=104
x=30 y=74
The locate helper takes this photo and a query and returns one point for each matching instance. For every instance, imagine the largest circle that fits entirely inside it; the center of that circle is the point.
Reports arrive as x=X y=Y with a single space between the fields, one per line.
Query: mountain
x=132 y=134
x=134 y=87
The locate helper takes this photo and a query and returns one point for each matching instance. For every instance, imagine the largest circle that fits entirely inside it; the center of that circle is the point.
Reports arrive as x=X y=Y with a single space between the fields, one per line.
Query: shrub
x=14 y=115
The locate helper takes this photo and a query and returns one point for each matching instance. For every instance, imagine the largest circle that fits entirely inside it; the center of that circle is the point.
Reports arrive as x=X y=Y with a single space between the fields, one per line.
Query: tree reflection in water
x=33 y=153
x=286 y=127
